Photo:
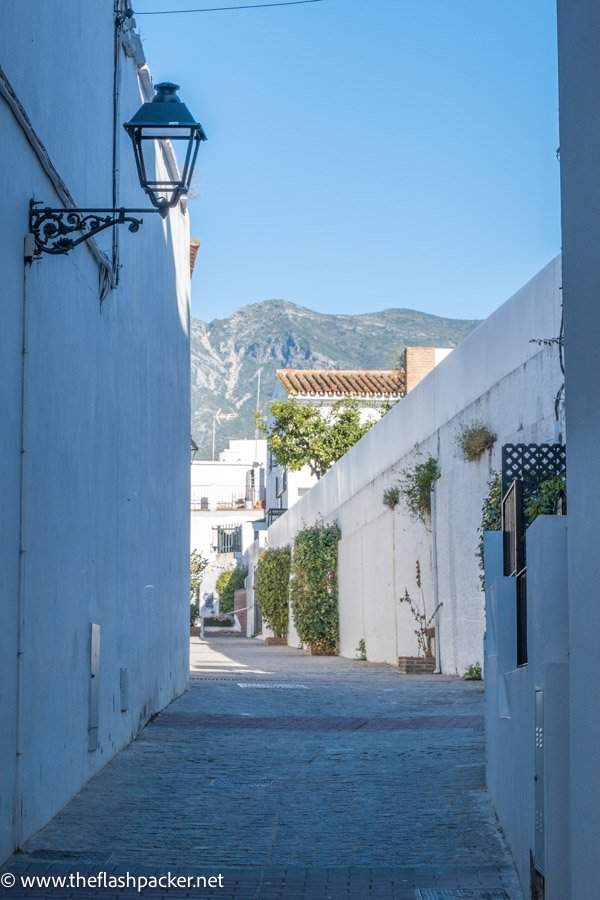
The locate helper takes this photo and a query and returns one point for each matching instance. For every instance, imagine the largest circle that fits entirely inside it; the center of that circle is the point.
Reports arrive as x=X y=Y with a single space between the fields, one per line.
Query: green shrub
x=391 y=497
x=475 y=439
x=548 y=499
x=473 y=673
x=415 y=487
x=227 y=583
x=219 y=621
x=313 y=587
x=198 y=564
x=194 y=614
x=491 y=517
x=362 y=650
x=271 y=587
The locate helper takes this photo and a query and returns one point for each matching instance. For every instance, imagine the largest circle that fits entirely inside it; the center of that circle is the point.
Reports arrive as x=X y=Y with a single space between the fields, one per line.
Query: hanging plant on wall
x=271 y=588
x=473 y=440
x=415 y=487
x=314 y=588
x=391 y=497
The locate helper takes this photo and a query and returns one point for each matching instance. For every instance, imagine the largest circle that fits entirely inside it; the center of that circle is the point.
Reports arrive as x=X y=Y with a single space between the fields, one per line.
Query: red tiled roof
x=353 y=382
x=194 y=247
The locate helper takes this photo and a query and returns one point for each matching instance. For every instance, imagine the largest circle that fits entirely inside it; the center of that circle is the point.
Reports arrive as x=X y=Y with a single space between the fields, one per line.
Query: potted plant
x=424 y=662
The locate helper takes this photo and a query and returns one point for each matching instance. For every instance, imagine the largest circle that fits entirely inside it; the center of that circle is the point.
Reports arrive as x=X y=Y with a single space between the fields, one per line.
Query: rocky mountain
x=228 y=353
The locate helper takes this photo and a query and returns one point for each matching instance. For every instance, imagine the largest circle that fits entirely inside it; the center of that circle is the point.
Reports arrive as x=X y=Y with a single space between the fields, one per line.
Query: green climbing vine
x=314 y=587
x=415 y=487
x=271 y=588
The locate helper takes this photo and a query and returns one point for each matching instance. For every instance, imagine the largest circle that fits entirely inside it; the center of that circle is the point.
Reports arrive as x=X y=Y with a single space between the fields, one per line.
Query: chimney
x=419 y=361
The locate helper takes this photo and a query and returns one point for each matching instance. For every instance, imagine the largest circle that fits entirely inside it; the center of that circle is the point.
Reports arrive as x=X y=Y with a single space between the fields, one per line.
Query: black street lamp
x=165 y=117
x=193 y=449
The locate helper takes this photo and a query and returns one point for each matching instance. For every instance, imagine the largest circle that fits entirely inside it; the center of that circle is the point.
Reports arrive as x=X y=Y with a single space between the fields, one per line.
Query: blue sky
x=364 y=154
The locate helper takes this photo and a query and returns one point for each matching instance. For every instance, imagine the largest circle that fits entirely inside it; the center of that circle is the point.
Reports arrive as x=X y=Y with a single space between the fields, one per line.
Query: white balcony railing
x=215 y=497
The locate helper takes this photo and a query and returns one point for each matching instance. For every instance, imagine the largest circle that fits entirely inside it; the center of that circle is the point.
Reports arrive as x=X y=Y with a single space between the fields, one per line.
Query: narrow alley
x=290 y=776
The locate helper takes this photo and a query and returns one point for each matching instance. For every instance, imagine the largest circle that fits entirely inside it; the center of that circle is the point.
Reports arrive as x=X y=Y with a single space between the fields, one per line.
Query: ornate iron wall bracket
x=60 y=230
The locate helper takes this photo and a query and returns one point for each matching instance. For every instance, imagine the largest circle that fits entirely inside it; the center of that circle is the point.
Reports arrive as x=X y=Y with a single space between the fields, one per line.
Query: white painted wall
x=218 y=484
x=246 y=451
x=510 y=704
x=579 y=86
x=496 y=375
x=562 y=595
x=254 y=625
x=103 y=407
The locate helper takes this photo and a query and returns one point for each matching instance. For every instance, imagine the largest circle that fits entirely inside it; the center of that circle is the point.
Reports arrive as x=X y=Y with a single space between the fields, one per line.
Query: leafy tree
x=198 y=564
x=227 y=584
x=548 y=499
x=299 y=434
x=271 y=587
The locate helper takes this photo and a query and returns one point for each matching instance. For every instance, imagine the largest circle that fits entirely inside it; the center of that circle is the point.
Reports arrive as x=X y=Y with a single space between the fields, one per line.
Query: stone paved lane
x=292 y=777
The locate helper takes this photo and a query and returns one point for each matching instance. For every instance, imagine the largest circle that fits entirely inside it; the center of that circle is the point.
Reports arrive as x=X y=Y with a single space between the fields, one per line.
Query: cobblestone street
x=291 y=777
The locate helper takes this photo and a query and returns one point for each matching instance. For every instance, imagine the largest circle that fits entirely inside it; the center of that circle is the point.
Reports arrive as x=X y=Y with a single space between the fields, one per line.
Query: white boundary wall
x=496 y=375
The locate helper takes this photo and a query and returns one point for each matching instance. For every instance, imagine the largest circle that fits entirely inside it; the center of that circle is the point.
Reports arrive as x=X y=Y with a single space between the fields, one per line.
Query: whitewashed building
x=94 y=411
x=373 y=391
x=227 y=499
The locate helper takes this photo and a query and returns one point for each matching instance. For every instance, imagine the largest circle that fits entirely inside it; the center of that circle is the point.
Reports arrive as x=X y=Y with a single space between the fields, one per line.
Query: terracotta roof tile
x=194 y=247
x=349 y=382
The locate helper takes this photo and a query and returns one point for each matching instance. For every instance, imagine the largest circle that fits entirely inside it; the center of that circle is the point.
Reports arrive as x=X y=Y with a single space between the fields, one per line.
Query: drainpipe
x=394 y=594
x=434 y=573
x=18 y=792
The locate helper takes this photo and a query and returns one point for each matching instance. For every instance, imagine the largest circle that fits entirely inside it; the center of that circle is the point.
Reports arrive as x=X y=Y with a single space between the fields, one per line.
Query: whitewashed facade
x=227 y=499
x=94 y=411
x=285 y=487
x=498 y=375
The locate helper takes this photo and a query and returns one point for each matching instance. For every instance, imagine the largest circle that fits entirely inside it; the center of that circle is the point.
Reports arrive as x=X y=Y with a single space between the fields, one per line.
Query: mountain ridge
x=226 y=355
